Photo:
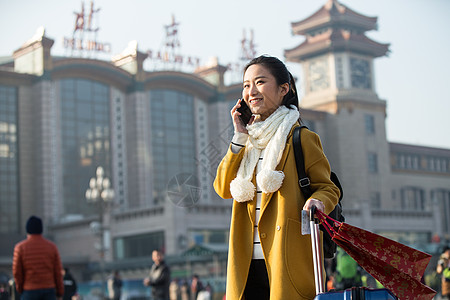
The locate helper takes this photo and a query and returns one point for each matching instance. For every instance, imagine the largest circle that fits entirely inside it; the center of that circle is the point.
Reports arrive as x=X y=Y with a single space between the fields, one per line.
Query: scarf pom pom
x=242 y=190
x=270 y=181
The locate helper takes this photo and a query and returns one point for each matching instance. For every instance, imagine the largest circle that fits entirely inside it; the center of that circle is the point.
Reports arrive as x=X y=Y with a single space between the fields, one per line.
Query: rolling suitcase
x=355 y=293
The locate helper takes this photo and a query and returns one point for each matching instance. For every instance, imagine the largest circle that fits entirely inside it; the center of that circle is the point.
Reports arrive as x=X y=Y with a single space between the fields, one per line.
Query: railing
x=142 y=212
x=210 y=209
x=355 y=213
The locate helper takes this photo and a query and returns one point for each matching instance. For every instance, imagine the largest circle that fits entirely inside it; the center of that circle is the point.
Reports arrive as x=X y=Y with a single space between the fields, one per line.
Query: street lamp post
x=101 y=194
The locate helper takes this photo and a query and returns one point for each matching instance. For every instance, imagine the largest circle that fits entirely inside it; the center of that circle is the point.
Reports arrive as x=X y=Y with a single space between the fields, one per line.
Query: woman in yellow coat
x=268 y=256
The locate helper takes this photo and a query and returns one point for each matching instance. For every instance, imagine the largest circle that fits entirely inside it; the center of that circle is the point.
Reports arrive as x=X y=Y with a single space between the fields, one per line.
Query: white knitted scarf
x=270 y=134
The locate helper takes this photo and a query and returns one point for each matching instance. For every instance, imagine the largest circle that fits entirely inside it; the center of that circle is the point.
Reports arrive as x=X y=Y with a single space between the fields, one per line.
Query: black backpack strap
x=303 y=180
x=329 y=246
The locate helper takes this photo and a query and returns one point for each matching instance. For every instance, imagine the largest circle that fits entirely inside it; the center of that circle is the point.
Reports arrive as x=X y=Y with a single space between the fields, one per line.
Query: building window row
x=412 y=198
x=208 y=236
x=415 y=199
x=438 y=164
x=407 y=161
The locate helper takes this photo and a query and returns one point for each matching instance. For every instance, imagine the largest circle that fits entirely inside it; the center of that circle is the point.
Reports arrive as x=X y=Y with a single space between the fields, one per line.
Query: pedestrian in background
x=443 y=268
x=37 y=265
x=13 y=293
x=196 y=287
x=70 y=285
x=185 y=290
x=115 y=286
x=348 y=272
x=174 y=290
x=4 y=294
x=159 y=277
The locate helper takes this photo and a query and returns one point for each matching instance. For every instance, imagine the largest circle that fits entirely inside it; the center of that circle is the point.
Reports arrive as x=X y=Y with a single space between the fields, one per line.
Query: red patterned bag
x=397 y=267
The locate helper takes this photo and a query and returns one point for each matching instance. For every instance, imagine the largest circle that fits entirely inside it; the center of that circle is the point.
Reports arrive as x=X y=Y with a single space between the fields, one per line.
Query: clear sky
x=414 y=79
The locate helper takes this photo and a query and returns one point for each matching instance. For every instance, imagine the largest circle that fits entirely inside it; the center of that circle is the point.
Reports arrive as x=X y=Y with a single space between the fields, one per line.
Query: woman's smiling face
x=261 y=91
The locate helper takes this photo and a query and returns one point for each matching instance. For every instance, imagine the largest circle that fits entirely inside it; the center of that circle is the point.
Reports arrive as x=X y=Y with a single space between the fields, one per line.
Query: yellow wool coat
x=287 y=252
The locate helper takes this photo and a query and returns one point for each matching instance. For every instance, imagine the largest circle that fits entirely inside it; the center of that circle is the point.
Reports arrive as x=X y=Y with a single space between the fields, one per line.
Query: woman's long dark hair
x=278 y=70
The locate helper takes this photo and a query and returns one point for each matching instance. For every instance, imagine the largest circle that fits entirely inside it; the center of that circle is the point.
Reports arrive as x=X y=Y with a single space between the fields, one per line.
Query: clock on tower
x=360 y=73
x=319 y=78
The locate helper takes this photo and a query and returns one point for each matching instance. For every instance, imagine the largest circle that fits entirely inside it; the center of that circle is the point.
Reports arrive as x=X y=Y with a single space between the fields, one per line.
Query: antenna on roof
x=247 y=52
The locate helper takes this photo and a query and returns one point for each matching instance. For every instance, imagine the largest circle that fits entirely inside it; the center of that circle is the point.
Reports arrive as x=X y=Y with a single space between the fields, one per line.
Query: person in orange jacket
x=37 y=265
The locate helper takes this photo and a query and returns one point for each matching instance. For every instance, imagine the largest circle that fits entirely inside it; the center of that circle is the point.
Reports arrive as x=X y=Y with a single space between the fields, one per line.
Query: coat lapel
x=251 y=208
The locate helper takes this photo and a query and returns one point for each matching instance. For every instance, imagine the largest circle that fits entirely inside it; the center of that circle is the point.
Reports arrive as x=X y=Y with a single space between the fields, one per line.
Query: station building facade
x=159 y=135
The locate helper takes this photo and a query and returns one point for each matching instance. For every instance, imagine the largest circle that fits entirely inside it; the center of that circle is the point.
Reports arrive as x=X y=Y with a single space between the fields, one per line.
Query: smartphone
x=245 y=111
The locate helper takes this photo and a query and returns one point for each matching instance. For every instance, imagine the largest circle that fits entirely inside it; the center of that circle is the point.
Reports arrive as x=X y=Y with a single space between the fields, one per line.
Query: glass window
x=208 y=236
x=85 y=135
x=372 y=163
x=172 y=136
x=369 y=121
x=415 y=162
x=84 y=110
x=441 y=198
x=9 y=174
x=83 y=90
x=401 y=161
x=375 y=200
x=138 y=245
x=431 y=164
x=413 y=198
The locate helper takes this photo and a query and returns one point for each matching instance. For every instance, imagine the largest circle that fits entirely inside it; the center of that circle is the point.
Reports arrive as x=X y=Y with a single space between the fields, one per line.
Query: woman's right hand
x=237 y=122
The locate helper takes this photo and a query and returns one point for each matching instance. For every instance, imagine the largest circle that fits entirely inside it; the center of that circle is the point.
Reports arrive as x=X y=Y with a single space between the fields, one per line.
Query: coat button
x=278 y=227
x=263 y=235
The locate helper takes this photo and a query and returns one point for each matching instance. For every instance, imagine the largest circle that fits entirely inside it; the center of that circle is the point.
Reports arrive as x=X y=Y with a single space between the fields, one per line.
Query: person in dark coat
x=159 y=277
x=70 y=285
x=115 y=286
x=4 y=295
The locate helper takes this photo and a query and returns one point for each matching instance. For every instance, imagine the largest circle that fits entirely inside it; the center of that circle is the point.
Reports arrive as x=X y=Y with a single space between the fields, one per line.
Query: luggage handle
x=317 y=252
x=312 y=213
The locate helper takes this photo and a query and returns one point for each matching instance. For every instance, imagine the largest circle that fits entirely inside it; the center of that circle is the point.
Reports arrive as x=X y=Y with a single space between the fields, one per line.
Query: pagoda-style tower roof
x=335 y=27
